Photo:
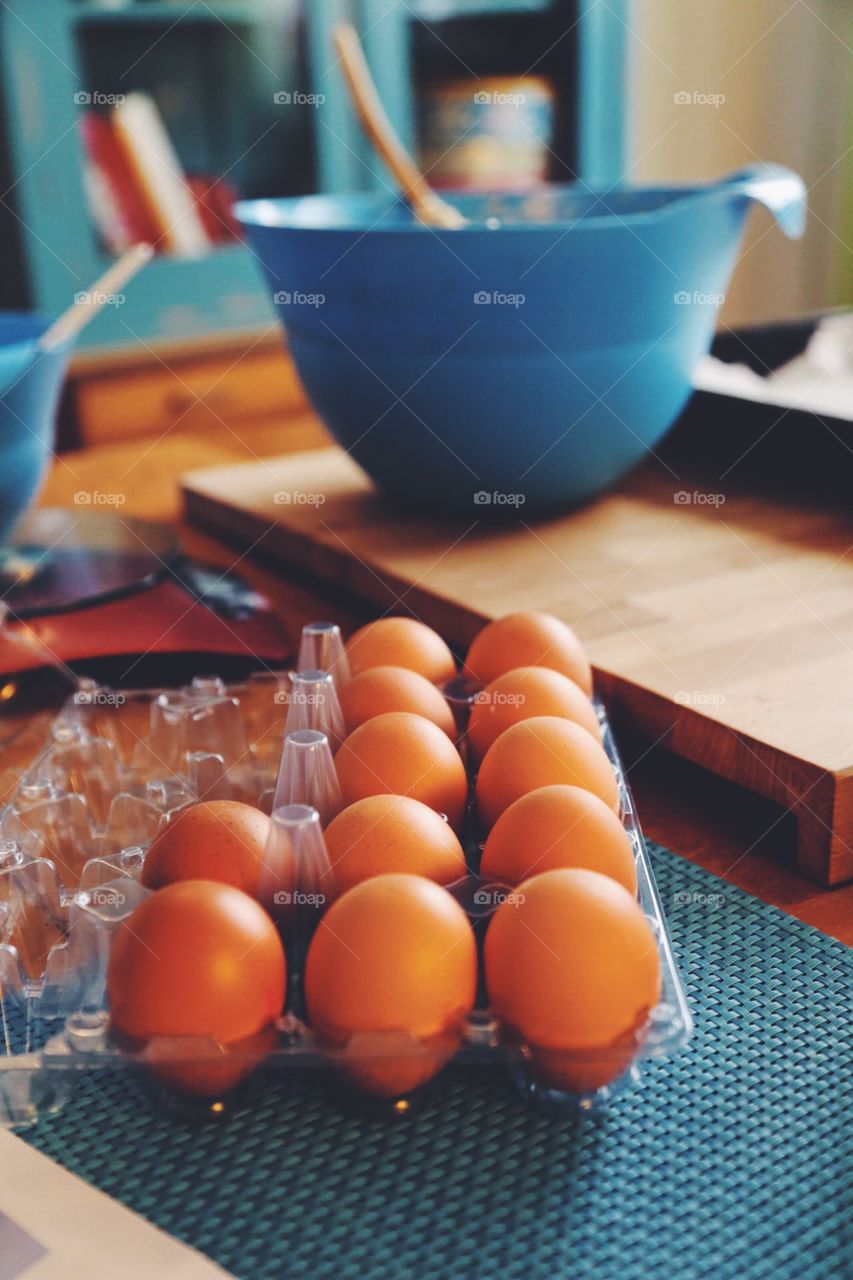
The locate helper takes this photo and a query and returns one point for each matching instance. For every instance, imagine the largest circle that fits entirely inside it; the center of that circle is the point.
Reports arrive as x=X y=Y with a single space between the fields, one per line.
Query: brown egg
x=219 y=840
x=393 y=962
x=558 y=826
x=402 y=754
x=521 y=694
x=572 y=967
x=538 y=753
x=401 y=642
x=527 y=640
x=386 y=833
x=198 y=959
x=380 y=689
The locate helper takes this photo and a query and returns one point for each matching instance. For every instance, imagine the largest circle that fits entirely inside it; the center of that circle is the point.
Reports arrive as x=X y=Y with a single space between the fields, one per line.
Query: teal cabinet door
x=49 y=52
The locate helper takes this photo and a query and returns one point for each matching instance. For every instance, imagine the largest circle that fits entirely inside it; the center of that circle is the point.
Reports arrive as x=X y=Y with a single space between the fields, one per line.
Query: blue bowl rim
x=30 y=326
x=365 y=210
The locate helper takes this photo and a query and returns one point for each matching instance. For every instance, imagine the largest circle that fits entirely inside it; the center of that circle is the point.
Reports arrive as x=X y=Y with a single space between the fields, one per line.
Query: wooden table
x=723 y=828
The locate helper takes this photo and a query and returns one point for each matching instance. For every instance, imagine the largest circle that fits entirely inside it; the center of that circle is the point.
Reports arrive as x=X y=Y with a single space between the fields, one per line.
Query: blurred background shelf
x=163 y=13
x=250 y=89
x=240 y=11
x=439 y=10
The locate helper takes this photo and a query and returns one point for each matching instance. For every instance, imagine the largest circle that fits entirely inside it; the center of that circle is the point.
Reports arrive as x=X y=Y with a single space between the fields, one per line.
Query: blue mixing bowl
x=30 y=383
x=522 y=365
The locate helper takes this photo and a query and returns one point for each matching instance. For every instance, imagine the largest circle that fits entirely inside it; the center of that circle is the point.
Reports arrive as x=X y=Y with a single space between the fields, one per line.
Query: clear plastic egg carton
x=119 y=765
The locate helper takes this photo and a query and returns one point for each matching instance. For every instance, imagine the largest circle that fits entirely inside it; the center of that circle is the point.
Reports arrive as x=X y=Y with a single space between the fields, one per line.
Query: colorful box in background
x=492 y=133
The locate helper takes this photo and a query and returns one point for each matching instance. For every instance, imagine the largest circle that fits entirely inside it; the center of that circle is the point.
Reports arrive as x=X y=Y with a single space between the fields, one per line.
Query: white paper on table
x=53 y=1225
x=819 y=381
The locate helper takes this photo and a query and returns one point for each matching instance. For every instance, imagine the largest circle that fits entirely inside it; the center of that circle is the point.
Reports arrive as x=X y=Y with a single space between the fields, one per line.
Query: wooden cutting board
x=722 y=628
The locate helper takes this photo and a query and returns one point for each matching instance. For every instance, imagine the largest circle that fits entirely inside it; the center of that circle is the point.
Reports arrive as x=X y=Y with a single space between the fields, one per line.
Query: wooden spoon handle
x=83 y=311
x=427 y=206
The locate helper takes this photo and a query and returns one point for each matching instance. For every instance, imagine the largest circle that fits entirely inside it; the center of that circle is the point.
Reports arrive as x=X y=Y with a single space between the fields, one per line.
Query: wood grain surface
x=721 y=626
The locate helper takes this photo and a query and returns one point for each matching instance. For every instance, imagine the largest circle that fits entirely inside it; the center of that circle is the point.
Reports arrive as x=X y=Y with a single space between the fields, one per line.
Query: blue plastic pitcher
x=525 y=361
x=30 y=383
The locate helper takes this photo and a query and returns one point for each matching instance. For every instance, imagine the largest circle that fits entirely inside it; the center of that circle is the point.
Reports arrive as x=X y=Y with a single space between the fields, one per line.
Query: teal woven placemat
x=733 y=1161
